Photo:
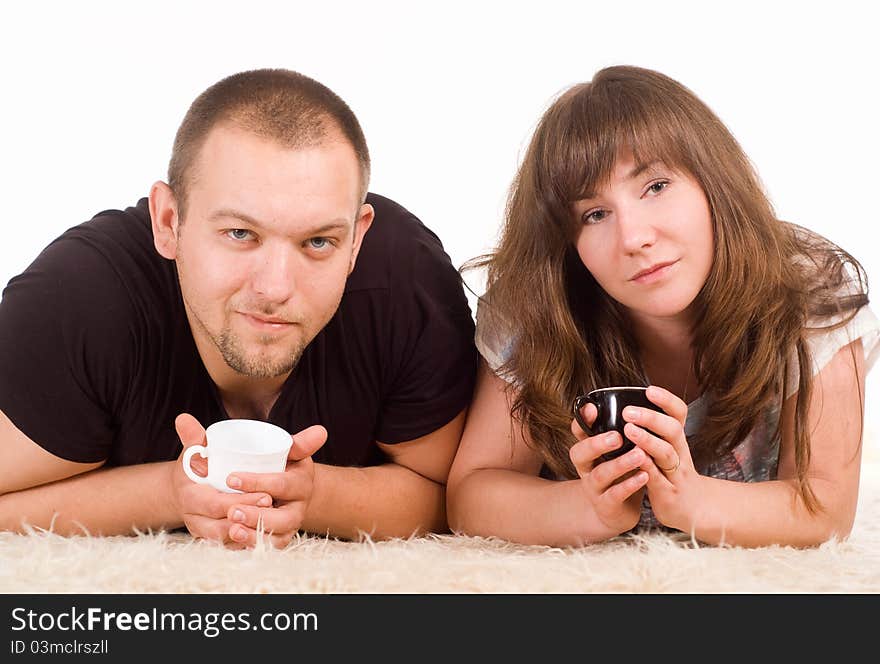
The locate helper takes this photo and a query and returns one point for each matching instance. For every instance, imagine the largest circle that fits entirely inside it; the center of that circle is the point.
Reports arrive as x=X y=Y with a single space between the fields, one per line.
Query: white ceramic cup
x=245 y=446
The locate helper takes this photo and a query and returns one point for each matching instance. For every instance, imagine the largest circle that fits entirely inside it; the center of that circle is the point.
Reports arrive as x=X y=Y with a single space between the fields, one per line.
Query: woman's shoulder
x=825 y=336
x=826 y=266
x=495 y=335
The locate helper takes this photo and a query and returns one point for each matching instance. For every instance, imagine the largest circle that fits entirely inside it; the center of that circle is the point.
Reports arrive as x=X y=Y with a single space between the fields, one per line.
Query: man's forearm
x=381 y=501
x=111 y=501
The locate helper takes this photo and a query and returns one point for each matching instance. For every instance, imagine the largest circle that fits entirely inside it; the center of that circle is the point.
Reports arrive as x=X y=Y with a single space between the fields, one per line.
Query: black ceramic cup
x=610 y=402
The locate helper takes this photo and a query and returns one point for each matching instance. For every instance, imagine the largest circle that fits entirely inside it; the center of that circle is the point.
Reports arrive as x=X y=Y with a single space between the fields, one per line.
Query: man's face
x=269 y=239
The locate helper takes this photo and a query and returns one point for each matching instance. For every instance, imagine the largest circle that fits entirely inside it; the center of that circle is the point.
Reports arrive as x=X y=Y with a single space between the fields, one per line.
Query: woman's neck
x=665 y=347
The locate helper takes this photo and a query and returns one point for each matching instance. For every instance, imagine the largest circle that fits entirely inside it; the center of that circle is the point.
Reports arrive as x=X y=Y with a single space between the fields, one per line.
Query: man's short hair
x=277 y=104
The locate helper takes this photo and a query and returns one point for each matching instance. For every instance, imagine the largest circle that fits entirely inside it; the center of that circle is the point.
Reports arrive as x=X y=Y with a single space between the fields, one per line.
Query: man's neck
x=250 y=405
x=245 y=396
x=242 y=396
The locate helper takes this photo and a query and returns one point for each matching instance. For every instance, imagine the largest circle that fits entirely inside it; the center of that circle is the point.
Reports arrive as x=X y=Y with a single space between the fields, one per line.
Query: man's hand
x=202 y=508
x=292 y=491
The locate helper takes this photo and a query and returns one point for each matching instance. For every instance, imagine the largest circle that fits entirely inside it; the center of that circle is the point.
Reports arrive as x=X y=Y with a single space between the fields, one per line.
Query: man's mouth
x=266 y=322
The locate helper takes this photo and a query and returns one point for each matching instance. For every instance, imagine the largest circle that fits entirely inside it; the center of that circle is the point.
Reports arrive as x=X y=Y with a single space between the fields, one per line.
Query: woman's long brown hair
x=768 y=277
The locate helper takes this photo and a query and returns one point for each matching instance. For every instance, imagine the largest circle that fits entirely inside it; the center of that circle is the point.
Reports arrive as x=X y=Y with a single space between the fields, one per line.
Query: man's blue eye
x=239 y=234
x=318 y=242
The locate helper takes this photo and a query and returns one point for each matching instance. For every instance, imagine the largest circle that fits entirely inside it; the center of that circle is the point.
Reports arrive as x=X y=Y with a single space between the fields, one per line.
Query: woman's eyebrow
x=642 y=168
x=637 y=170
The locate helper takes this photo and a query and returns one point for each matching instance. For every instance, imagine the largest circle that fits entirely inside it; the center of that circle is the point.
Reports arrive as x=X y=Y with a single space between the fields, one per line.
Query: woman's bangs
x=655 y=143
x=594 y=145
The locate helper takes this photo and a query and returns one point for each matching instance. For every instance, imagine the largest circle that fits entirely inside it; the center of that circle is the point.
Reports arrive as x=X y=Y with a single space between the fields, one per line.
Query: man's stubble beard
x=255 y=367
x=230 y=347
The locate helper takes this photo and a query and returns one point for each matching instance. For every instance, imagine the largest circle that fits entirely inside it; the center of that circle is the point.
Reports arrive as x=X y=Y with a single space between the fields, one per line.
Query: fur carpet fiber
x=42 y=562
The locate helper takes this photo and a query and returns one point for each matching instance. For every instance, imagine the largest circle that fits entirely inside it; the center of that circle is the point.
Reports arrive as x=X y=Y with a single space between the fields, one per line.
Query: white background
x=448 y=94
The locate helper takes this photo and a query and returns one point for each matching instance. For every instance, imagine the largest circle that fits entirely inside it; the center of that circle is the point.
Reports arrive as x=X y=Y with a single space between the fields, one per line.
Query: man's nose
x=274 y=275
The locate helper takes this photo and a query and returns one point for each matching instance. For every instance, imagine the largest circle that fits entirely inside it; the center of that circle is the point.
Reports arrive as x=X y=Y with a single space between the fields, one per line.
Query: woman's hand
x=613 y=488
x=672 y=478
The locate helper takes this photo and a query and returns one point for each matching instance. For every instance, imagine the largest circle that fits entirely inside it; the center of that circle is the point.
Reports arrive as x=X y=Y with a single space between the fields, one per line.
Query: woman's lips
x=654 y=273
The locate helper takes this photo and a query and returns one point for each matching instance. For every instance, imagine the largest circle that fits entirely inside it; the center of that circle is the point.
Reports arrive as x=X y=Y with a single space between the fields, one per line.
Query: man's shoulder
x=397 y=245
x=129 y=228
x=105 y=263
x=104 y=240
x=394 y=222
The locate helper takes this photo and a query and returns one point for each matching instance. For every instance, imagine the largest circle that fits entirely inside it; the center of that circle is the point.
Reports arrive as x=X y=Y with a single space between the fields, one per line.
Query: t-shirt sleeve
x=823 y=344
x=493 y=338
x=432 y=356
x=63 y=338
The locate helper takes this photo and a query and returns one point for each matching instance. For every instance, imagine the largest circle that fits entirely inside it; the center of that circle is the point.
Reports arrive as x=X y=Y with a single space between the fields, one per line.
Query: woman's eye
x=595 y=216
x=239 y=234
x=657 y=187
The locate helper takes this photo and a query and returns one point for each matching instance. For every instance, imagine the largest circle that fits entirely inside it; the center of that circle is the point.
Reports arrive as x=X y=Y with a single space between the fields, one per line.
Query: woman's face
x=647 y=239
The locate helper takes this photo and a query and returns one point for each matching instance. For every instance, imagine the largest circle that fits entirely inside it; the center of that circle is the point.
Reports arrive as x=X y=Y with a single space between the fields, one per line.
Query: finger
x=585 y=453
x=293 y=484
x=189 y=430
x=199 y=465
x=671 y=404
x=662 y=451
x=610 y=472
x=248 y=537
x=203 y=527
x=276 y=485
x=207 y=501
x=307 y=442
x=662 y=425
x=588 y=412
x=288 y=517
x=656 y=478
x=618 y=493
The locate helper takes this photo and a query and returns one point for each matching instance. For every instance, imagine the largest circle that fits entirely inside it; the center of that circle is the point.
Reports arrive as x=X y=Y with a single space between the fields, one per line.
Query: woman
x=640 y=249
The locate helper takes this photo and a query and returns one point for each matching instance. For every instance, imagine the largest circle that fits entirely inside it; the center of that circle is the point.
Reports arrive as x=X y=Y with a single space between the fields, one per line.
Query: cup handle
x=579 y=403
x=202 y=451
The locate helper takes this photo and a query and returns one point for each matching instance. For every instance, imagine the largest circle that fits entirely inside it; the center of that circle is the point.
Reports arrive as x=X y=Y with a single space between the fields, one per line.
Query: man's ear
x=165 y=220
x=361 y=226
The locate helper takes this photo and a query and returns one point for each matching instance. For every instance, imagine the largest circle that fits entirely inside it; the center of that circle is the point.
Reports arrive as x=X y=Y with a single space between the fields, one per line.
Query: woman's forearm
x=523 y=508
x=752 y=514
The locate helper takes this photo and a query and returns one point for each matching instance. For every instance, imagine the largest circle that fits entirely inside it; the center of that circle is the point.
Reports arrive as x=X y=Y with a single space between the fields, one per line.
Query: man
x=262 y=282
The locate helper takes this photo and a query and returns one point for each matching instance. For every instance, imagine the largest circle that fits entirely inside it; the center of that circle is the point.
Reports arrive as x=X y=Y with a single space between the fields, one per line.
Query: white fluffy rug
x=175 y=563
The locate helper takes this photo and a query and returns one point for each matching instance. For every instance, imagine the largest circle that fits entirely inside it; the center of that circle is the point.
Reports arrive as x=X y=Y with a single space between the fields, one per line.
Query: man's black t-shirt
x=97 y=357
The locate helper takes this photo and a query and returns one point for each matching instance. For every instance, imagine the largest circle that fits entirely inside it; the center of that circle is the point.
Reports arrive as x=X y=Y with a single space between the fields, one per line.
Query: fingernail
x=631 y=413
x=238 y=534
x=265 y=501
x=238 y=515
x=234 y=482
